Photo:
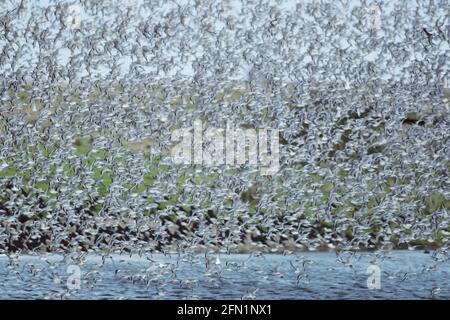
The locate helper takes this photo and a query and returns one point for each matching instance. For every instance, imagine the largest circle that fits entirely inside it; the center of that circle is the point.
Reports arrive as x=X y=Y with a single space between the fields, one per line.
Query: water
x=355 y=93
x=404 y=275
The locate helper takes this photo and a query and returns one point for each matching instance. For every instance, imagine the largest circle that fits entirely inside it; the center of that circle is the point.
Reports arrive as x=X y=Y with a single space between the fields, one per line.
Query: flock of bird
x=91 y=92
x=186 y=275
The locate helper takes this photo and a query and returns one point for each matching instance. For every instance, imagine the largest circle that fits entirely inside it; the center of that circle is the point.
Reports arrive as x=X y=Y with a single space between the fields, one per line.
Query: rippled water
x=404 y=275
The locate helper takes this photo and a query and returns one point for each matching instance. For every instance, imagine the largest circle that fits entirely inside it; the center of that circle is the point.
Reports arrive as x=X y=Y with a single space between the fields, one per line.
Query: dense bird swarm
x=91 y=92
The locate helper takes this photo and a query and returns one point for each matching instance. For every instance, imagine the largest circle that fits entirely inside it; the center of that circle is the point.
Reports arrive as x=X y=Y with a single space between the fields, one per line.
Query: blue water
x=310 y=275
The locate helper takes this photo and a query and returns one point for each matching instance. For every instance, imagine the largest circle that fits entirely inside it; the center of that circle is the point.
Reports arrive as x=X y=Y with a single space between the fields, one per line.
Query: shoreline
x=244 y=249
